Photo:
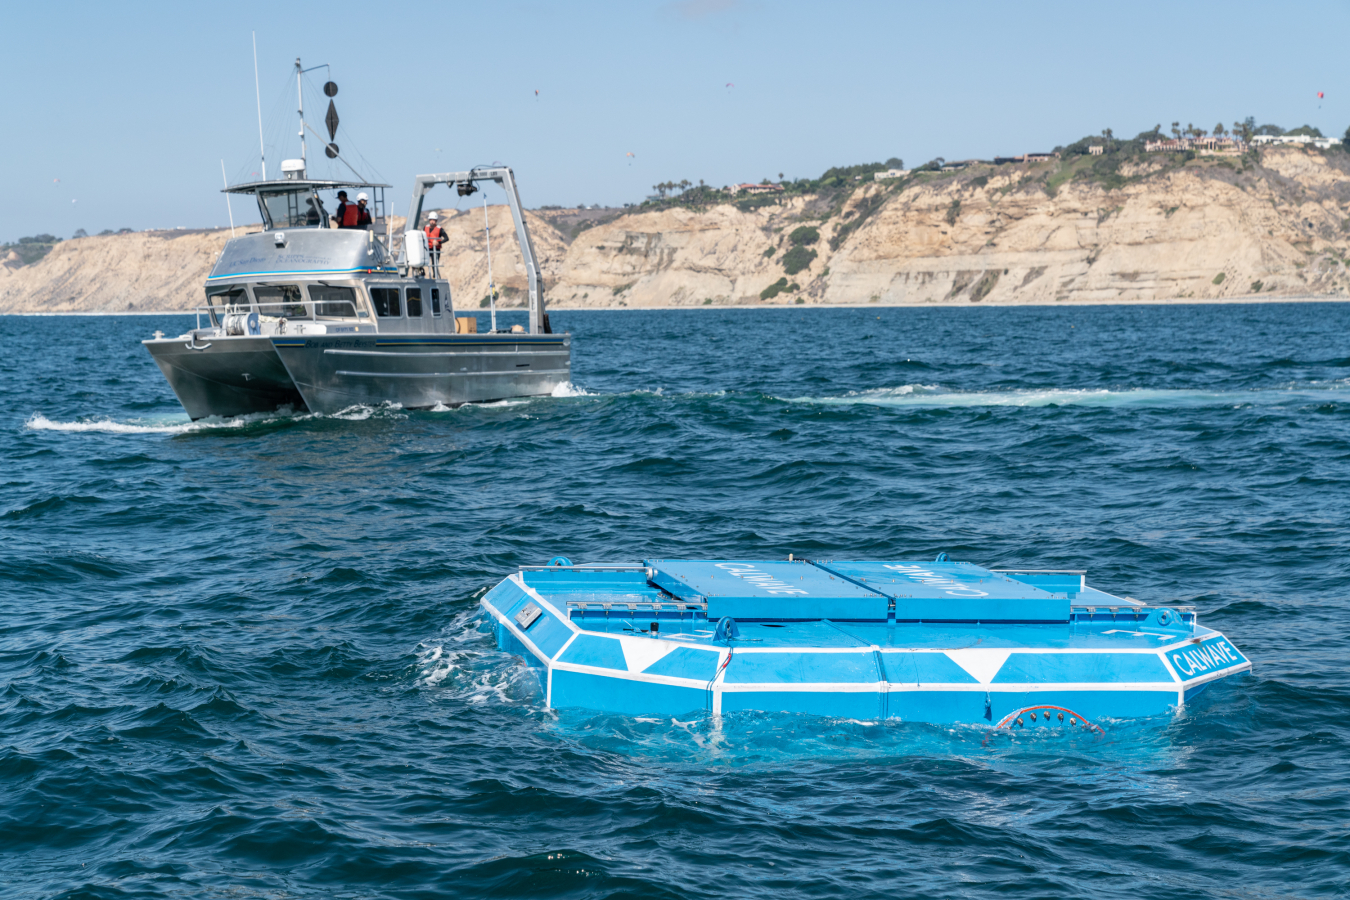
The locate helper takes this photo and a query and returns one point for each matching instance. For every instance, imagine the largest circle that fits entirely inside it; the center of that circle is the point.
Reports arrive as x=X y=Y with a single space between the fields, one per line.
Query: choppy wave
x=936 y=396
x=568 y=389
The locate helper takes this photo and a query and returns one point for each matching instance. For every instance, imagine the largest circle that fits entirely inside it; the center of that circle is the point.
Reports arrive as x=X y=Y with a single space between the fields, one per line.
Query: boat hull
x=224 y=377
x=334 y=372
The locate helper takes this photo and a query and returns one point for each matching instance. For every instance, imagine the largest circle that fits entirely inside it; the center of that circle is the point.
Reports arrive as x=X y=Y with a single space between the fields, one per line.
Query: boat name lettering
x=298 y=259
x=340 y=343
x=1215 y=655
x=763 y=580
x=942 y=582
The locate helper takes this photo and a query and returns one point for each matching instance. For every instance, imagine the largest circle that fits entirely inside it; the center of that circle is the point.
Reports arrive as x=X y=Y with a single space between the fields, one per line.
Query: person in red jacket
x=347 y=214
x=435 y=236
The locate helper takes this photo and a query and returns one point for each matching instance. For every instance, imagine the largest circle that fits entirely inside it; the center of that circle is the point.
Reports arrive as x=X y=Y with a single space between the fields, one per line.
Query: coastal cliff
x=1271 y=224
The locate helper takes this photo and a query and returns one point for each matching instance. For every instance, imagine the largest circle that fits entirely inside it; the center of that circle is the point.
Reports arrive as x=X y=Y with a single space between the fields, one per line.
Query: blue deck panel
x=816 y=638
x=955 y=592
x=757 y=589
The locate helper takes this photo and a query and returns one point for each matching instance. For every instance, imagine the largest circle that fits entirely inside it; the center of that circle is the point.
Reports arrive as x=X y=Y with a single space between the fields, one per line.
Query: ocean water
x=245 y=659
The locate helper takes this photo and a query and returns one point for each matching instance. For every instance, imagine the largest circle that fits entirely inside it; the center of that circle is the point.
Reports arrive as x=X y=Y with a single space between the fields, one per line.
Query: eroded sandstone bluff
x=1210 y=229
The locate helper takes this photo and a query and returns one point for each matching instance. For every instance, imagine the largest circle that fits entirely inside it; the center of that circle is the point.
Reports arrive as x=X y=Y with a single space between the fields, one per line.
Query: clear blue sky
x=132 y=106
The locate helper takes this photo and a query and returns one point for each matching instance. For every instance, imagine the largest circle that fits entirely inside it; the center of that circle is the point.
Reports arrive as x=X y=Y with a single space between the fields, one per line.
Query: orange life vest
x=350 y=214
x=435 y=236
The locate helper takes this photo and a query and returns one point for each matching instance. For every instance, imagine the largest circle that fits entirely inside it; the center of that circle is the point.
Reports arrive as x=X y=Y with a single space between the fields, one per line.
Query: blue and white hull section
x=939 y=642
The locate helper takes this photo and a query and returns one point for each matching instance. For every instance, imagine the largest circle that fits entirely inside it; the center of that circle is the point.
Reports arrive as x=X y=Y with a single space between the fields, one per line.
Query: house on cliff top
x=755 y=189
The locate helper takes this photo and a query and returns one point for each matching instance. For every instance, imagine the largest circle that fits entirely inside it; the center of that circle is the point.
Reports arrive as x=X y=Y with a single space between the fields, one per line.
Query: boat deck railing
x=306 y=310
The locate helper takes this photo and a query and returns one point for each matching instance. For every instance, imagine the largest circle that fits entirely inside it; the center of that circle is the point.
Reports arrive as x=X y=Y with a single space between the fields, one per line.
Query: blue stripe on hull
x=939 y=707
x=802 y=668
x=863 y=705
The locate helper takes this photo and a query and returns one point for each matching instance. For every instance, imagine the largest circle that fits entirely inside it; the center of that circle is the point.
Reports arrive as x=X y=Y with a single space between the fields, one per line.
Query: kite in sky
x=729 y=84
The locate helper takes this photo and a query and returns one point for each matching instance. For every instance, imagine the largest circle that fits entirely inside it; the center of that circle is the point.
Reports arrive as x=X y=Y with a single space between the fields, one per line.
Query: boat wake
x=938 y=397
x=180 y=424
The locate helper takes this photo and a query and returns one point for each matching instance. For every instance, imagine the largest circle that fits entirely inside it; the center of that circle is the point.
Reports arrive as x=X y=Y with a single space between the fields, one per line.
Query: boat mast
x=257 y=93
x=300 y=100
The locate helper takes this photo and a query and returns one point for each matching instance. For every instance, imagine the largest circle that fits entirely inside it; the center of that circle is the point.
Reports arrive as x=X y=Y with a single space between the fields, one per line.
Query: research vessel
x=316 y=317
x=939 y=642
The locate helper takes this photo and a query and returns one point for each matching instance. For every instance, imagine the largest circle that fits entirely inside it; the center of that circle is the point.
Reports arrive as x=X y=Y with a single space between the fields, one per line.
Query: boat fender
x=727 y=629
x=560 y=561
x=942 y=557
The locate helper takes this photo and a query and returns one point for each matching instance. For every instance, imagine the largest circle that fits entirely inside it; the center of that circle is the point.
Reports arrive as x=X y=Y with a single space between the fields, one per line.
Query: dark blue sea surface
x=245 y=659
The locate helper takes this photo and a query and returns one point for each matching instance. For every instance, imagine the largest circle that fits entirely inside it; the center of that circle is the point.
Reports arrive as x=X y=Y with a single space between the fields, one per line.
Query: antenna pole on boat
x=492 y=288
x=257 y=93
x=227 y=196
x=300 y=100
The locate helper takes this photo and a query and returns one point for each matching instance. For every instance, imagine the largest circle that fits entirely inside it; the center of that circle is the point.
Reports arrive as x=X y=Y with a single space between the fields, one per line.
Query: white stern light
x=279 y=237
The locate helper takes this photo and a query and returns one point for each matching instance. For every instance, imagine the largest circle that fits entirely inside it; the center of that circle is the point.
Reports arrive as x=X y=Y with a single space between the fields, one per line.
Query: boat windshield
x=333 y=302
x=292 y=209
x=222 y=300
x=281 y=301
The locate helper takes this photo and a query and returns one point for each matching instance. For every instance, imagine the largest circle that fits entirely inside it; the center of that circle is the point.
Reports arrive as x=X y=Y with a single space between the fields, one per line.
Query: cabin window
x=292 y=209
x=435 y=301
x=220 y=300
x=414 y=303
x=333 y=302
x=385 y=301
x=280 y=300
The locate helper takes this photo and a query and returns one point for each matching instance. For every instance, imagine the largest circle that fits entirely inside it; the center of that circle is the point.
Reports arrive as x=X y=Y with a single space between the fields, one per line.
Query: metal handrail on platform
x=311 y=314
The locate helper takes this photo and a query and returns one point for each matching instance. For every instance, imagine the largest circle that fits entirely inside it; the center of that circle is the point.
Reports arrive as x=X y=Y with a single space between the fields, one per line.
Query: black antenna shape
x=331 y=120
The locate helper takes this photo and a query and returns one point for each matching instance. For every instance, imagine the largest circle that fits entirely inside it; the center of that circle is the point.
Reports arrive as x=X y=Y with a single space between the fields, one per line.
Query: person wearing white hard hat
x=362 y=211
x=435 y=236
